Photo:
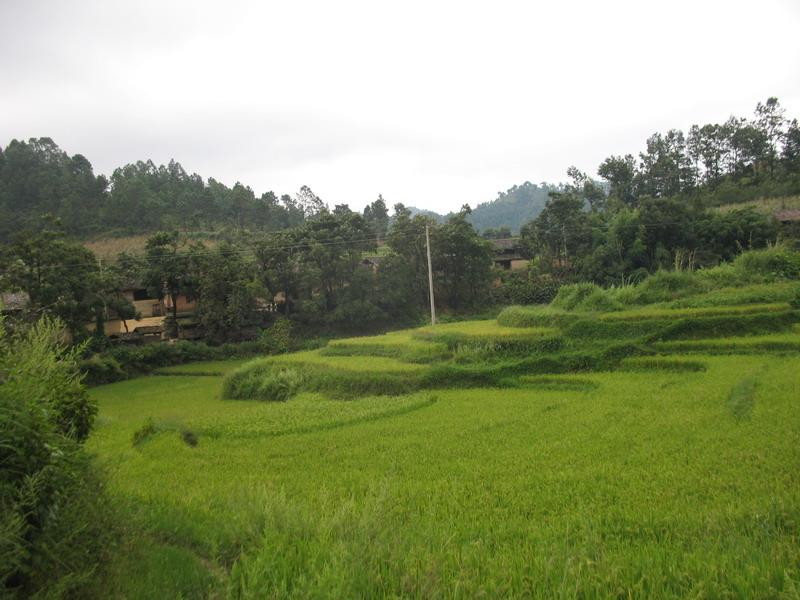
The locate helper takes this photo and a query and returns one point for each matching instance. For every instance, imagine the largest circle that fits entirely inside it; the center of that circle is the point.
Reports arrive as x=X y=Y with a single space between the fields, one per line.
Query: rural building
x=152 y=314
x=13 y=302
x=507 y=254
x=144 y=302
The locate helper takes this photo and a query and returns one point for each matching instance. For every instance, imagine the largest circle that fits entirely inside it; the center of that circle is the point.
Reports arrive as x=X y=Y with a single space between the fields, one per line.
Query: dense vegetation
x=655 y=214
x=325 y=274
x=53 y=523
x=643 y=443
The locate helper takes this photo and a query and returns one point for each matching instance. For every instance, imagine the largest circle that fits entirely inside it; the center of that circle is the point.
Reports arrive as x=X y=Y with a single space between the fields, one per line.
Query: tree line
x=338 y=269
x=653 y=212
x=37 y=178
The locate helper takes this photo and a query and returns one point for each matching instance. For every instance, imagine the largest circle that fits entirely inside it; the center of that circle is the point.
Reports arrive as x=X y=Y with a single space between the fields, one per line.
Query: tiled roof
x=505 y=244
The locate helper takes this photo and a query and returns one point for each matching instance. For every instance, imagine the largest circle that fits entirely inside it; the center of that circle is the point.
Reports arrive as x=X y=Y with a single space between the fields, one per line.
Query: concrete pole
x=430 y=275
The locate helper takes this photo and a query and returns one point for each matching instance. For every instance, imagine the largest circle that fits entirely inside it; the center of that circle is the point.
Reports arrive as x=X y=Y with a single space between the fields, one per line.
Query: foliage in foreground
x=51 y=523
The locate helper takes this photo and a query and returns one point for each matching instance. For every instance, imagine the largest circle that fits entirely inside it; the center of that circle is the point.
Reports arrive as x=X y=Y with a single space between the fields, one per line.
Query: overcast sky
x=434 y=104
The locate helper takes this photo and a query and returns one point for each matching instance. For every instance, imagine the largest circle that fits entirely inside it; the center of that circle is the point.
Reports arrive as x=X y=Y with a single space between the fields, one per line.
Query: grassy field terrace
x=652 y=451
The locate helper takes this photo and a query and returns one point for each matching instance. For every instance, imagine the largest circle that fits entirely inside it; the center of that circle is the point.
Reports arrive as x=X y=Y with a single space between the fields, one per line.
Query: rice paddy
x=646 y=452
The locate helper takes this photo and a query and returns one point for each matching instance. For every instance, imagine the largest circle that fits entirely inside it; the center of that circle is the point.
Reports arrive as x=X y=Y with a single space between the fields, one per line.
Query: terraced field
x=651 y=452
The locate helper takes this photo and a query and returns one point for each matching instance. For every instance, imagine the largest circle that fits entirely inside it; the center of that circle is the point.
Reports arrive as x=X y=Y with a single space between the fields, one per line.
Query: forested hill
x=38 y=178
x=512 y=208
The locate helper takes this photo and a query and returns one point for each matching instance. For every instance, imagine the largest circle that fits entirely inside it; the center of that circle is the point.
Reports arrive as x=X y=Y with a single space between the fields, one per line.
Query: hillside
x=512 y=208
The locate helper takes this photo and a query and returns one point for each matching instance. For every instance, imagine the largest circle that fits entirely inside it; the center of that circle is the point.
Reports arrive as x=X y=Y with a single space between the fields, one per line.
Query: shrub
x=189 y=437
x=122 y=362
x=102 y=369
x=262 y=381
x=522 y=288
x=586 y=297
x=277 y=339
x=534 y=316
x=795 y=301
x=145 y=432
x=51 y=515
x=724 y=275
x=570 y=296
x=662 y=286
x=771 y=264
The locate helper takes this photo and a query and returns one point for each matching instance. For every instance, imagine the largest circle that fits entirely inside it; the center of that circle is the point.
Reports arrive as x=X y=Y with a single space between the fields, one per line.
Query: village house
x=13 y=302
x=151 y=313
x=507 y=255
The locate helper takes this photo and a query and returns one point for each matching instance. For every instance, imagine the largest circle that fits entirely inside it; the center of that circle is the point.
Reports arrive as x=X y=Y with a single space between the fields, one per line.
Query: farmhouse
x=151 y=315
x=507 y=254
x=13 y=302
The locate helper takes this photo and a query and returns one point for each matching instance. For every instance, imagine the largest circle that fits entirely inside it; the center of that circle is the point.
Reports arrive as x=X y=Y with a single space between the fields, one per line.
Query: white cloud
x=430 y=103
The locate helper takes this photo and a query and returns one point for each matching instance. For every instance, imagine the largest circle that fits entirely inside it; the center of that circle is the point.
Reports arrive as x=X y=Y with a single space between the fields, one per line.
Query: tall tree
x=770 y=120
x=620 y=173
x=560 y=234
x=377 y=217
x=309 y=203
x=278 y=266
x=463 y=261
x=226 y=291
x=167 y=269
x=61 y=278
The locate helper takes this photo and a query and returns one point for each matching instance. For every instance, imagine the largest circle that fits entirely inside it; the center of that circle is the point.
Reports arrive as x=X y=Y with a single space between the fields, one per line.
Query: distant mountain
x=428 y=213
x=512 y=208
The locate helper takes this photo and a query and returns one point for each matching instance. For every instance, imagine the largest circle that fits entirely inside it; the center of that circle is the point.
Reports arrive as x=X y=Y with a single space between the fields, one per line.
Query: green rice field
x=648 y=452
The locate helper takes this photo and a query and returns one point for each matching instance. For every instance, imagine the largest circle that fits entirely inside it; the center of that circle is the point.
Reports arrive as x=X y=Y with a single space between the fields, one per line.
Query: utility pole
x=430 y=275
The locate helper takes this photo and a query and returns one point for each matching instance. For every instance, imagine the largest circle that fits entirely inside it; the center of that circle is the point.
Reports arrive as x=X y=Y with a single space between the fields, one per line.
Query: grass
x=781 y=342
x=486 y=329
x=528 y=491
x=763 y=205
x=655 y=312
x=109 y=247
x=400 y=345
x=651 y=451
x=212 y=368
x=374 y=364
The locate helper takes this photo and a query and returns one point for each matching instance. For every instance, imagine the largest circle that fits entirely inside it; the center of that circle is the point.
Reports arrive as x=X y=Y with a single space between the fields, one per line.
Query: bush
x=522 y=288
x=724 y=275
x=262 y=381
x=102 y=369
x=277 y=339
x=662 y=286
x=122 y=362
x=534 y=316
x=795 y=301
x=586 y=297
x=145 y=432
x=51 y=511
x=771 y=264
